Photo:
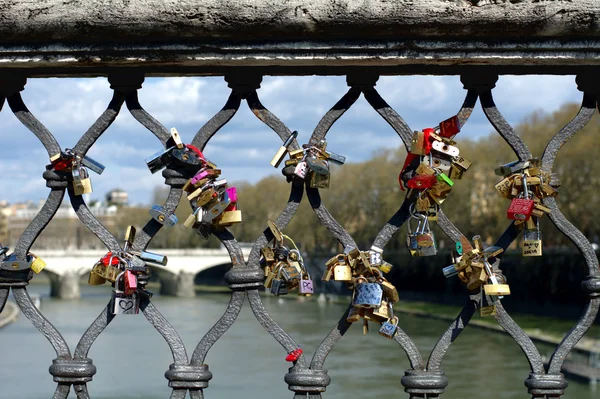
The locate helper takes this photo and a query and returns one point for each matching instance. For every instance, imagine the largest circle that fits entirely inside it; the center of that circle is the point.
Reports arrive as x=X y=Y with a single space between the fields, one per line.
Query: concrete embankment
x=9 y=314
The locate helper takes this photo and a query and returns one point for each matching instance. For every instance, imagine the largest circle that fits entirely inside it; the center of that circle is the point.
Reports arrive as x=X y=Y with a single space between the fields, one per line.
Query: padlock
x=504 y=187
x=380 y=314
x=158 y=213
x=289 y=273
x=354 y=315
x=306 y=285
x=421 y=182
x=187 y=159
x=91 y=164
x=129 y=282
x=388 y=328
x=229 y=218
x=375 y=256
x=367 y=295
x=420 y=144
x=268 y=254
x=278 y=285
x=462 y=163
x=175 y=139
x=197 y=179
x=317 y=166
x=532 y=241
x=342 y=273
x=520 y=209
x=217 y=209
x=11 y=263
x=319 y=181
x=82 y=183
x=511 y=167
x=450 y=127
x=159 y=160
x=36 y=264
x=441 y=164
x=276 y=161
x=445 y=149
x=123 y=303
x=335 y=158
x=411 y=237
x=389 y=291
x=95 y=278
x=301 y=169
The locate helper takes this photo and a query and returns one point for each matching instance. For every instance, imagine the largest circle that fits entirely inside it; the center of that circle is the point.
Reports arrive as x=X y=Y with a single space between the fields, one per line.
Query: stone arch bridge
x=65 y=268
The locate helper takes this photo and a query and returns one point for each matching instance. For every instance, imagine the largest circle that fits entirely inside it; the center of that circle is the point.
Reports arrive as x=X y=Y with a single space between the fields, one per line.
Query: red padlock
x=421 y=182
x=449 y=127
x=107 y=258
x=294 y=355
x=62 y=164
x=130 y=282
x=520 y=209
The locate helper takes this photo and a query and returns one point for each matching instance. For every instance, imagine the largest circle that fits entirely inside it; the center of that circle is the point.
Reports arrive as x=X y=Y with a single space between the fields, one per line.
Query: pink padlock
x=232 y=194
x=130 y=283
x=199 y=176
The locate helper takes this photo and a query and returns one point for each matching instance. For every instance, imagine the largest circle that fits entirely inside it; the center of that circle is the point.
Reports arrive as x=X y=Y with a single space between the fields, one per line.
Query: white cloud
x=244 y=147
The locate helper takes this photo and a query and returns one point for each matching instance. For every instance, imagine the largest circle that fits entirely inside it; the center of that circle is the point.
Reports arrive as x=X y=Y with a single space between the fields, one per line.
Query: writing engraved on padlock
x=306 y=287
x=126 y=305
x=532 y=243
x=520 y=209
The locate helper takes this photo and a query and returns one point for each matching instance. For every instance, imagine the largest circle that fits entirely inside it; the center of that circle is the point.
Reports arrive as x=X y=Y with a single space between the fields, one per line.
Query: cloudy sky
x=244 y=147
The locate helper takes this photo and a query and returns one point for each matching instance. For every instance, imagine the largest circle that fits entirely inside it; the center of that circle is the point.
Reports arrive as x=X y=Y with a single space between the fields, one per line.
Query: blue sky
x=244 y=147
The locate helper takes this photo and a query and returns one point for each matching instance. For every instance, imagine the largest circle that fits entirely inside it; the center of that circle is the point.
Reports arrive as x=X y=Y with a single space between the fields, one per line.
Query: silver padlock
x=439 y=163
x=159 y=160
x=11 y=263
x=217 y=209
x=158 y=213
x=121 y=303
x=445 y=149
x=425 y=239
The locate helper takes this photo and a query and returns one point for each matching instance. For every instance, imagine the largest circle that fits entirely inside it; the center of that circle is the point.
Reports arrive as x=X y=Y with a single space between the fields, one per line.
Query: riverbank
x=9 y=314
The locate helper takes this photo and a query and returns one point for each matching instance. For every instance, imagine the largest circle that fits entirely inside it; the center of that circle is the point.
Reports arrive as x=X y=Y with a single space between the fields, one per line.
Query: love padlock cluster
x=429 y=169
x=128 y=271
x=526 y=184
x=70 y=161
x=284 y=268
x=372 y=295
x=474 y=269
x=312 y=161
x=10 y=263
x=214 y=204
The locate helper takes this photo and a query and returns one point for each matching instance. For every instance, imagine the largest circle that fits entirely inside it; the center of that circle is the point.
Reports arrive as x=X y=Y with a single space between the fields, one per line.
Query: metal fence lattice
x=307 y=378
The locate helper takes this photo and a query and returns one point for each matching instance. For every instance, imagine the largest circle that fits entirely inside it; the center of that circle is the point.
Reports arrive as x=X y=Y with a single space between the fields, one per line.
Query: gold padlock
x=342 y=273
x=229 y=218
x=37 y=264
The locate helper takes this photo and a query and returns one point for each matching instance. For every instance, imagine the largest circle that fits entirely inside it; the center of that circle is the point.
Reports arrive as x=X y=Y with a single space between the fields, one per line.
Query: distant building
x=117 y=197
x=64 y=231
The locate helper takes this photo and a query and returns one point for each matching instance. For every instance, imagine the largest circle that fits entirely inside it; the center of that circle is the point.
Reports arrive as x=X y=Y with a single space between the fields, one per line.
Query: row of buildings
x=65 y=231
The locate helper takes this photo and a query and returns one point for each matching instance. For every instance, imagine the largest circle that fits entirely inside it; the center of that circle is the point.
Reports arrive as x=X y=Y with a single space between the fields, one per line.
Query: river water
x=131 y=357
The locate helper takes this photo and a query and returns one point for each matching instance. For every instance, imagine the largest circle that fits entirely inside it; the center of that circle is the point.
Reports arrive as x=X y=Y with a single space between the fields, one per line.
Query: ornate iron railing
x=307 y=378
x=322 y=38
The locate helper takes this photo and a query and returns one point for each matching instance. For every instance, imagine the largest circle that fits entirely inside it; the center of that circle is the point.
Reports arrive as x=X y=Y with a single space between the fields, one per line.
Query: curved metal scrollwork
x=308 y=379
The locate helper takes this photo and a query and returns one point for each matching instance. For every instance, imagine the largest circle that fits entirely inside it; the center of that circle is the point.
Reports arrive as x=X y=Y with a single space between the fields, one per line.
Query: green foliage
x=363 y=196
